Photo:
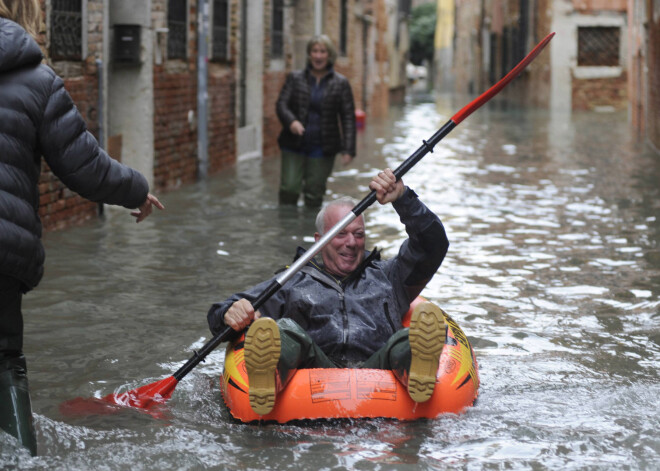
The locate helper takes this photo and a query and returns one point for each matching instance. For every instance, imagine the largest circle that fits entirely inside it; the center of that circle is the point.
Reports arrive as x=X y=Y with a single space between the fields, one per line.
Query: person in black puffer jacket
x=38 y=118
x=311 y=106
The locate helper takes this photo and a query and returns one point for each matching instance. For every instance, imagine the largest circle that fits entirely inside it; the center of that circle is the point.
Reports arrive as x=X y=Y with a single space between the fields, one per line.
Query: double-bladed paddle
x=146 y=396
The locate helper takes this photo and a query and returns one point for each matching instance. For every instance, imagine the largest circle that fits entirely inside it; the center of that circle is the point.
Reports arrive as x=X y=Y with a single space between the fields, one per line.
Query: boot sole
x=427 y=339
x=262 y=352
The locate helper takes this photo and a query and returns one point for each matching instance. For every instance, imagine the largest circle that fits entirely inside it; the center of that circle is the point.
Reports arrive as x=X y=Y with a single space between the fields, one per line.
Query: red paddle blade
x=84 y=406
x=504 y=81
x=145 y=396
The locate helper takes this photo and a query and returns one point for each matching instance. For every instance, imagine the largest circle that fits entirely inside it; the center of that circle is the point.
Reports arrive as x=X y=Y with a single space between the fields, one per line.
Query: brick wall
x=222 y=122
x=599 y=5
x=175 y=142
x=605 y=92
x=466 y=73
x=175 y=95
x=379 y=99
x=273 y=82
x=222 y=88
x=349 y=65
x=372 y=96
x=540 y=71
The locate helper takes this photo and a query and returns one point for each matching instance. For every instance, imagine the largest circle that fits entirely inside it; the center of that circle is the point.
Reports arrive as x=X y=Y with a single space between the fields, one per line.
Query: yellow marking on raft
x=231 y=365
x=463 y=355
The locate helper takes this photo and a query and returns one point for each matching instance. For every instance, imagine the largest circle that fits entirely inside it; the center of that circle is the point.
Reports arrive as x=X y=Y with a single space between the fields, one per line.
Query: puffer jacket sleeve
x=75 y=156
x=347 y=119
x=283 y=106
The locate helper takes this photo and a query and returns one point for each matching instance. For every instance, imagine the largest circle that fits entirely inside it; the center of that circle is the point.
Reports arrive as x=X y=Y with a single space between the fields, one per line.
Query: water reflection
x=553 y=272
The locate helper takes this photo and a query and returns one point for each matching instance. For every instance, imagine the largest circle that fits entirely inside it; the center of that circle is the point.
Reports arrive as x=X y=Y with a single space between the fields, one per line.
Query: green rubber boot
x=15 y=405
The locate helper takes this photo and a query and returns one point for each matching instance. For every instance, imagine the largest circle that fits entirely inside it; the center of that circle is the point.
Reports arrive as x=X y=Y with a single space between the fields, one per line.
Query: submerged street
x=553 y=273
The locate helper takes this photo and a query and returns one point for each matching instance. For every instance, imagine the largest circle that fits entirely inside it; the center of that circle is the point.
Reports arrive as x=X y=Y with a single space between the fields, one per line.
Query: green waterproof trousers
x=308 y=175
x=298 y=350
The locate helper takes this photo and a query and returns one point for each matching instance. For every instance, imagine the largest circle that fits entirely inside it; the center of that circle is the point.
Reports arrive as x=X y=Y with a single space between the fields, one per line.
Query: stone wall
x=273 y=82
x=600 y=93
x=175 y=140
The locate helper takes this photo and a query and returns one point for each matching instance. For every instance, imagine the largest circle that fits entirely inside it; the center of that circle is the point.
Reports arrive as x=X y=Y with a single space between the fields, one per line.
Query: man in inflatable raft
x=345 y=310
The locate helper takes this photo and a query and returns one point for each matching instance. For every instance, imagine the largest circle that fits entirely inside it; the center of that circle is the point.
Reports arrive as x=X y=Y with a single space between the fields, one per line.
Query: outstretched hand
x=346 y=159
x=145 y=208
x=387 y=187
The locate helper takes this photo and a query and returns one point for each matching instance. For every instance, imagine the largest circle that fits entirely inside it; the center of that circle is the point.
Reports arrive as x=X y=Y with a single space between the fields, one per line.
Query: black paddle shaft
x=410 y=162
x=228 y=333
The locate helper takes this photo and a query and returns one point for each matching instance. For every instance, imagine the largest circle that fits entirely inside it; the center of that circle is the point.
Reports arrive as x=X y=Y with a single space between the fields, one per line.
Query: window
x=176 y=25
x=220 y=30
x=277 y=30
x=66 y=30
x=598 y=45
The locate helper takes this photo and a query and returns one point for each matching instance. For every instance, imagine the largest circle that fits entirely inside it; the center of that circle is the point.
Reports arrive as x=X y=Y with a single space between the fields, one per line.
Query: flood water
x=553 y=273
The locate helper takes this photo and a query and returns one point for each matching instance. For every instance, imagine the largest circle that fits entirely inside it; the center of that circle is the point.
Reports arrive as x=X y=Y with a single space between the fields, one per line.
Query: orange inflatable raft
x=328 y=393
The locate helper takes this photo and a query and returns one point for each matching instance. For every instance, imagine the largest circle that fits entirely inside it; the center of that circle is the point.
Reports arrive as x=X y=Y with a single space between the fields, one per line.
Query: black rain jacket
x=337 y=107
x=350 y=320
x=38 y=118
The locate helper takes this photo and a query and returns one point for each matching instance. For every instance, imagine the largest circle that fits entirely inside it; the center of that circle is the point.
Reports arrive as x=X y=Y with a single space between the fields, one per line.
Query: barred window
x=177 y=20
x=220 y=30
x=343 y=28
x=598 y=45
x=277 y=30
x=66 y=30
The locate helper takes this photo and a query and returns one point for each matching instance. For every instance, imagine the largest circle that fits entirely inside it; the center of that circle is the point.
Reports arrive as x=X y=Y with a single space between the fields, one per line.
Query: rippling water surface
x=553 y=272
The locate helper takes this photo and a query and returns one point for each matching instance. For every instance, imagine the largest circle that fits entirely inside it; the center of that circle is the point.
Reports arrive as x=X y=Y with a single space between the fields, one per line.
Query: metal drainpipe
x=202 y=88
x=99 y=73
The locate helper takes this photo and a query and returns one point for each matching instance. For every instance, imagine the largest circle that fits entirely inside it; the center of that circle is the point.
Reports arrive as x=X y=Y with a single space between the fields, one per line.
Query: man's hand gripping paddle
x=159 y=392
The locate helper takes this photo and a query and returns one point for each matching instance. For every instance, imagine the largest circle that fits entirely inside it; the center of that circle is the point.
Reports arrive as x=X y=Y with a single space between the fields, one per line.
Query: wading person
x=346 y=309
x=316 y=109
x=38 y=118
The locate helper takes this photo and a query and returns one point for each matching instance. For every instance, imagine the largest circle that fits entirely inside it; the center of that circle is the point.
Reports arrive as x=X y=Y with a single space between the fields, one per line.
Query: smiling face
x=319 y=57
x=345 y=251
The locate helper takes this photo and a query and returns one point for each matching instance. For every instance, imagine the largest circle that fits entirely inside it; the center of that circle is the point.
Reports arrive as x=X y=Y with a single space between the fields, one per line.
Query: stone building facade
x=182 y=88
x=644 y=66
x=585 y=66
x=589 y=59
x=480 y=41
x=604 y=56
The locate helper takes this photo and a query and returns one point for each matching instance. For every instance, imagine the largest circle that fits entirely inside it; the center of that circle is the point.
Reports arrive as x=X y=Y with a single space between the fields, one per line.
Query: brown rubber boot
x=262 y=352
x=427 y=339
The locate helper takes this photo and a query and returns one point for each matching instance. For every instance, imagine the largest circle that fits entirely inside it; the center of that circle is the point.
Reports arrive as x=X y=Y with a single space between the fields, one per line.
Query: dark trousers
x=298 y=350
x=308 y=175
x=15 y=405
